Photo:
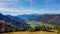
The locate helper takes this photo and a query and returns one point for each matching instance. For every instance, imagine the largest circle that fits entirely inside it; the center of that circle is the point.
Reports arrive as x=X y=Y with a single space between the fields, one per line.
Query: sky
x=18 y=7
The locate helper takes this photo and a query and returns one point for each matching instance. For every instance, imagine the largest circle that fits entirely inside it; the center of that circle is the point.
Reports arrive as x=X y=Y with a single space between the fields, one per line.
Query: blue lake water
x=34 y=23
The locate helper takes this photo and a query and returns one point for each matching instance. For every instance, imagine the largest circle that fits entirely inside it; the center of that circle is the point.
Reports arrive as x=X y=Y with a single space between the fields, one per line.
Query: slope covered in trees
x=11 y=23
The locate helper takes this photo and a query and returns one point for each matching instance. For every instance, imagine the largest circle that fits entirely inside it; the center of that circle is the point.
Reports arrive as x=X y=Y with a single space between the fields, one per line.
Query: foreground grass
x=40 y=32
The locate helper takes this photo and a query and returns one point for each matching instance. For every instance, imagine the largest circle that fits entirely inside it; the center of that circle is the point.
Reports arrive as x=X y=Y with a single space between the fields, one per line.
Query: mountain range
x=19 y=21
x=53 y=19
x=15 y=21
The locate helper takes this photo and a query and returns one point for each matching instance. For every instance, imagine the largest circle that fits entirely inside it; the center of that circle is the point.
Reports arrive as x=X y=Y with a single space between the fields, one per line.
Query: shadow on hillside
x=1 y=33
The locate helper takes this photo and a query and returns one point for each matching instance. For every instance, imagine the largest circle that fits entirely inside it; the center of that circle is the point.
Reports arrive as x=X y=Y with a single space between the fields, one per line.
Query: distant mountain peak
x=1 y=14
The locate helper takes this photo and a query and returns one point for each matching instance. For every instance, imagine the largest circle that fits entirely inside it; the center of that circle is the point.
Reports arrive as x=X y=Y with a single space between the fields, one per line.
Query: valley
x=30 y=24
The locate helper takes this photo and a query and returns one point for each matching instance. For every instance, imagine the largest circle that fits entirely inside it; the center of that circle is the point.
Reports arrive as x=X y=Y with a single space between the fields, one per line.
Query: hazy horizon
x=19 y=7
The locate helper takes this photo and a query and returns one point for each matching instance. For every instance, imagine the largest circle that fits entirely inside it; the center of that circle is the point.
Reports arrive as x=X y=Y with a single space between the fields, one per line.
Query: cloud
x=14 y=3
x=29 y=0
x=10 y=6
x=8 y=1
x=19 y=11
x=15 y=7
x=48 y=1
x=16 y=11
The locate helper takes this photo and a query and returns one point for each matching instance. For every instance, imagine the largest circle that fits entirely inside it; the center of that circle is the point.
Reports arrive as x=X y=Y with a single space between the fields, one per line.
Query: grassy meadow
x=40 y=32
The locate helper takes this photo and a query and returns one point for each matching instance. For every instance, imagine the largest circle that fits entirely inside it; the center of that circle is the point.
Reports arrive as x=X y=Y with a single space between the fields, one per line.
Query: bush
x=37 y=28
x=31 y=29
x=58 y=31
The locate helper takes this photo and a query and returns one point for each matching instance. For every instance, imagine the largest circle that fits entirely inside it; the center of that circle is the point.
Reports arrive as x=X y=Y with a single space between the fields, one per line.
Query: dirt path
x=40 y=32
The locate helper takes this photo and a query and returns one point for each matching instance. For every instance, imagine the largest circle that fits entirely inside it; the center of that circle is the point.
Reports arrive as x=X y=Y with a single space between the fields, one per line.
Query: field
x=40 y=32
